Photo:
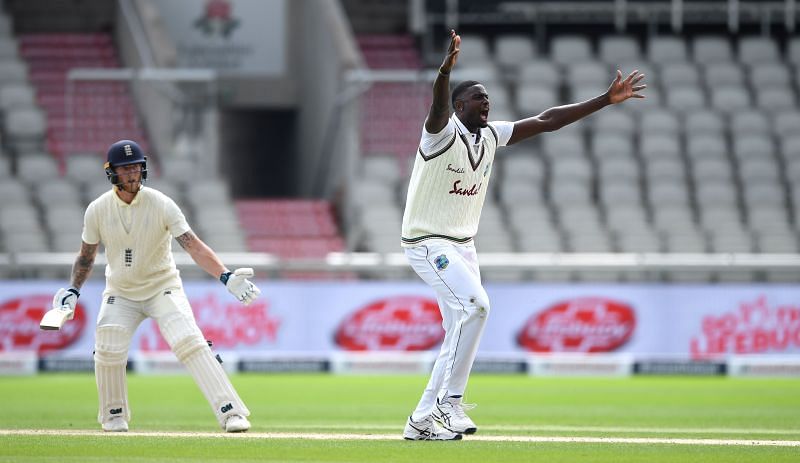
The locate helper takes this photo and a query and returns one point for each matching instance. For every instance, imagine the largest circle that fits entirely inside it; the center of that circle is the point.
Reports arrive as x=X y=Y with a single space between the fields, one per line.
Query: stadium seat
x=666 y=49
x=727 y=73
x=785 y=123
x=669 y=170
x=757 y=50
x=532 y=100
x=614 y=50
x=704 y=122
x=612 y=121
x=12 y=71
x=35 y=168
x=57 y=193
x=592 y=74
x=747 y=146
x=25 y=129
x=539 y=73
x=81 y=168
x=13 y=96
x=776 y=99
x=513 y=50
x=711 y=169
x=668 y=194
x=657 y=145
x=660 y=121
x=475 y=50
x=570 y=49
x=699 y=146
x=766 y=74
x=679 y=75
x=793 y=51
x=19 y=218
x=711 y=49
x=686 y=98
x=486 y=73
x=730 y=98
x=749 y=123
x=607 y=146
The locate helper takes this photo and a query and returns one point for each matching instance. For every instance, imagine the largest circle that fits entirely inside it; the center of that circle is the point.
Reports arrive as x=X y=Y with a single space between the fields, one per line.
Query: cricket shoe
x=236 y=423
x=427 y=429
x=116 y=424
x=449 y=412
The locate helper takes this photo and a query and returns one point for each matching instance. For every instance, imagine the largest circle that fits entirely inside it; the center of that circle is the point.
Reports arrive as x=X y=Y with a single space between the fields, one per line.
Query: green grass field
x=170 y=409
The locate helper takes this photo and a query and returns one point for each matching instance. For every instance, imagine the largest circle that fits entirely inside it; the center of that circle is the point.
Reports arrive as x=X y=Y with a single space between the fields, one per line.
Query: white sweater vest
x=447 y=190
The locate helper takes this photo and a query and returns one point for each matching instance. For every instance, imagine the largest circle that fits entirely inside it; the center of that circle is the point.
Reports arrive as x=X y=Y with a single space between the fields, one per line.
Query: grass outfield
x=314 y=418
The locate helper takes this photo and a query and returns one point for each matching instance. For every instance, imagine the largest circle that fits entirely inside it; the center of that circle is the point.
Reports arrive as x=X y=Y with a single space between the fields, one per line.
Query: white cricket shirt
x=137 y=238
x=449 y=182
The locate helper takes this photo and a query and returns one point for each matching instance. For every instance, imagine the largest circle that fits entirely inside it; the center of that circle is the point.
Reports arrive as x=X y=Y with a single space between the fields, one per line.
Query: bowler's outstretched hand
x=452 y=53
x=620 y=90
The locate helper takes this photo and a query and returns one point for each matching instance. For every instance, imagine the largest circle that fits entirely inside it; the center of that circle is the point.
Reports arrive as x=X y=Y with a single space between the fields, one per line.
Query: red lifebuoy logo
x=579 y=325
x=406 y=323
x=19 y=325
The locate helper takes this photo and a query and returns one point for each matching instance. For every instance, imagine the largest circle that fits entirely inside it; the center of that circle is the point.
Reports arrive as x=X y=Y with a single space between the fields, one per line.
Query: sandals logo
x=400 y=323
x=217 y=19
x=19 y=325
x=587 y=324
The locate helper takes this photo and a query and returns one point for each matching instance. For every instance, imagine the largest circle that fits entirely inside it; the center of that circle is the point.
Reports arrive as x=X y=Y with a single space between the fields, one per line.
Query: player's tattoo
x=83 y=265
x=186 y=240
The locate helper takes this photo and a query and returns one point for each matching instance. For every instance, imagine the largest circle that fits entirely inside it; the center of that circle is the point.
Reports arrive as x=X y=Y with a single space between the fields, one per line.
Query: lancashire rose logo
x=579 y=325
x=407 y=323
x=19 y=325
x=217 y=18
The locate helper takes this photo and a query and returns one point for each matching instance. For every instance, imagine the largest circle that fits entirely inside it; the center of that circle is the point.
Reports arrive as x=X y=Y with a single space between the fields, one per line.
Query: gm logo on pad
x=128 y=150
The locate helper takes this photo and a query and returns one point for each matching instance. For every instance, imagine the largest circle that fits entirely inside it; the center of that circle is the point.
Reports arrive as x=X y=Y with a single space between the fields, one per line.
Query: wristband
x=443 y=73
x=224 y=277
x=74 y=291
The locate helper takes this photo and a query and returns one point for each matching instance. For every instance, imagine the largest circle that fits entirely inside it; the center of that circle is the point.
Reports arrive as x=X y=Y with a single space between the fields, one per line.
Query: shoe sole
x=441 y=422
x=457 y=437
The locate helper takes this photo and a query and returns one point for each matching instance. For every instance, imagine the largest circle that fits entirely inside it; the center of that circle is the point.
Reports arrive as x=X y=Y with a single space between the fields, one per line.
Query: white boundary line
x=397 y=436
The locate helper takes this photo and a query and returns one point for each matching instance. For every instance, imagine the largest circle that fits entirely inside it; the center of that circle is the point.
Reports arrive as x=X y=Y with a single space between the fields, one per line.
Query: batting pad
x=191 y=349
x=110 y=359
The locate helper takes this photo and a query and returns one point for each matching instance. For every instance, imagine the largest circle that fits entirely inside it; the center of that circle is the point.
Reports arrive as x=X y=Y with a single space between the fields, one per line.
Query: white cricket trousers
x=452 y=271
x=116 y=324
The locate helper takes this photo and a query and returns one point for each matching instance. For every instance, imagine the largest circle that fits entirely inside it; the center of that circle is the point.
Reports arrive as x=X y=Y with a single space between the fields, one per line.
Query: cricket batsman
x=136 y=224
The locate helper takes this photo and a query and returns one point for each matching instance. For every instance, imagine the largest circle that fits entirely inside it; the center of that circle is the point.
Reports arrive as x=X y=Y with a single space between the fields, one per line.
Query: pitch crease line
x=396 y=436
x=557 y=428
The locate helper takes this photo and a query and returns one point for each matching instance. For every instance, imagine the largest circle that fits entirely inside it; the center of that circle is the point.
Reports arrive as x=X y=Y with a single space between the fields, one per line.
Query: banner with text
x=685 y=321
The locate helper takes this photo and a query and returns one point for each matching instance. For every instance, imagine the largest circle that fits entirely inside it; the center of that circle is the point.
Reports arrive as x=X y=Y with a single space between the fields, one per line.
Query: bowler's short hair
x=460 y=89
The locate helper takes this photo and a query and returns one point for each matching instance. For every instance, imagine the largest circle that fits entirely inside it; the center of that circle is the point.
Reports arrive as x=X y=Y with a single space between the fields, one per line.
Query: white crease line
x=397 y=436
x=558 y=428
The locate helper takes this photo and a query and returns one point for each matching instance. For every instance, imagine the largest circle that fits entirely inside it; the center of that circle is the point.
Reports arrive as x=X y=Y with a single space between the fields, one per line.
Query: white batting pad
x=211 y=378
x=110 y=358
x=189 y=346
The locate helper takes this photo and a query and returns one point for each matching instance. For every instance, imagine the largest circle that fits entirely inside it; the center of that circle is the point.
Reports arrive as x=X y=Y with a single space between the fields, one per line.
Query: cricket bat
x=54 y=319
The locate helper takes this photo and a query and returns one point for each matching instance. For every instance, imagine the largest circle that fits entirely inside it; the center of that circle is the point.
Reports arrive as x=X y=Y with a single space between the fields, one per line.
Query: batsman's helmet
x=124 y=153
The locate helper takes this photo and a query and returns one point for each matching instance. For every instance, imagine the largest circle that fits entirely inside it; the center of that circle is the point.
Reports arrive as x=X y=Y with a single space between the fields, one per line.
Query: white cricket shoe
x=116 y=424
x=237 y=423
x=427 y=429
x=449 y=412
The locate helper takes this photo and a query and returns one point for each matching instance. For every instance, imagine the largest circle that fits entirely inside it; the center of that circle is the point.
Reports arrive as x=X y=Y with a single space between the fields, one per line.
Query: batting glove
x=238 y=284
x=66 y=297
